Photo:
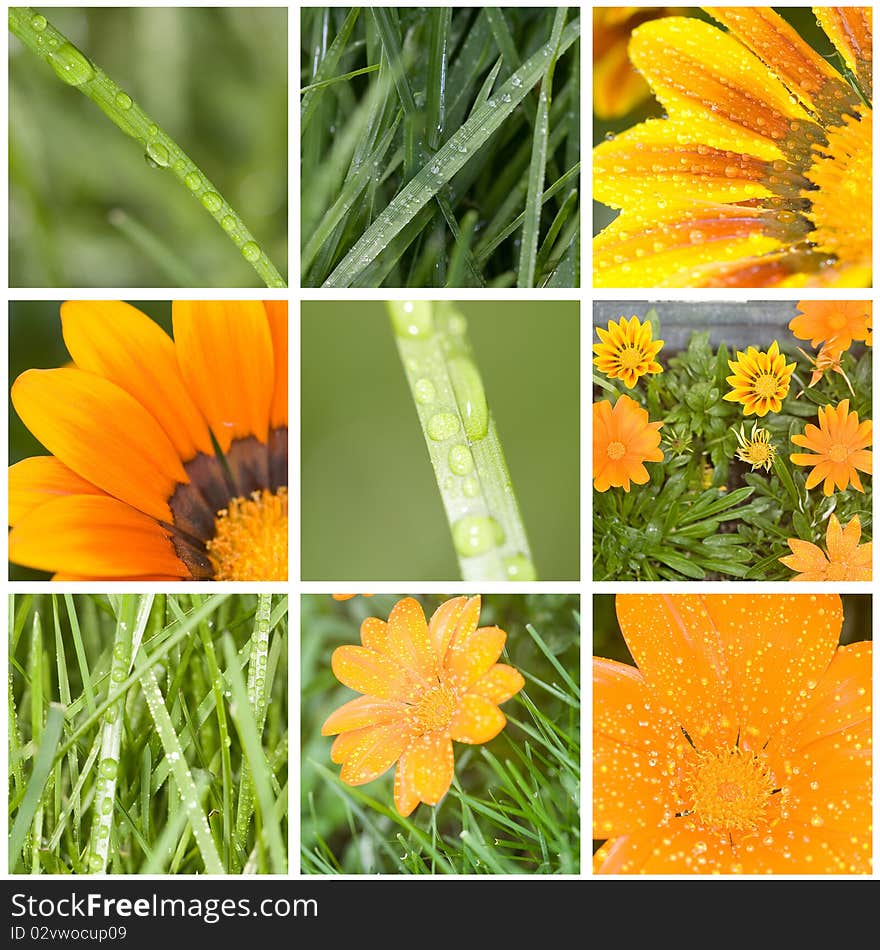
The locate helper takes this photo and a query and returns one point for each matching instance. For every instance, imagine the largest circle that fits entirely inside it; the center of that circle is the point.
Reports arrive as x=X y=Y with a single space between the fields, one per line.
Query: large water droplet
x=213 y=202
x=70 y=65
x=411 y=318
x=192 y=181
x=123 y=100
x=519 y=568
x=476 y=534
x=442 y=426
x=251 y=252
x=229 y=223
x=425 y=392
x=470 y=396
x=157 y=154
x=460 y=460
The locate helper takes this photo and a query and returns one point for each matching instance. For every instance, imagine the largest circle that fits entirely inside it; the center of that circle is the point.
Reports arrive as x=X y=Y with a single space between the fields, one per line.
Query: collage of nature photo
x=298 y=301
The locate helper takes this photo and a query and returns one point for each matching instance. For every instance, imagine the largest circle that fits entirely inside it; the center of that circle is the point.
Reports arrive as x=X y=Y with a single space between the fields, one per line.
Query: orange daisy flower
x=617 y=86
x=168 y=457
x=847 y=560
x=840 y=443
x=424 y=686
x=348 y=596
x=740 y=743
x=627 y=350
x=623 y=439
x=761 y=173
x=836 y=323
x=760 y=381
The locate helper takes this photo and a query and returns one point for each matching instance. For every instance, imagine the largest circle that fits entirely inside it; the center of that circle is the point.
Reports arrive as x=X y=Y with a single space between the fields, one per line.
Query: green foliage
x=440 y=146
x=514 y=804
x=133 y=740
x=705 y=514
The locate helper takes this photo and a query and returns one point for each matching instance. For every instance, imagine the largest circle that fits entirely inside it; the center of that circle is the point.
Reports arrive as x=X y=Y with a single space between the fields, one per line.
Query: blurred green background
x=801 y=18
x=370 y=508
x=35 y=342
x=327 y=624
x=215 y=79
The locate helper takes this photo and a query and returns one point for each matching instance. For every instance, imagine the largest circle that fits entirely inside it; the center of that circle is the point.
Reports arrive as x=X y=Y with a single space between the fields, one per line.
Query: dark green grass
x=514 y=804
x=440 y=147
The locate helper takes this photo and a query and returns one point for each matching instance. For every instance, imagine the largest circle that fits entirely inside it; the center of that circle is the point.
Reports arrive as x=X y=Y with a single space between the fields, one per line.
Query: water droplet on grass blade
x=123 y=100
x=251 y=252
x=411 y=318
x=473 y=535
x=425 y=392
x=470 y=396
x=192 y=181
x=229 y=223
x=212 y=201
x=70 y=65
x=39 y=22
x=460 y=460
x=519 y=568
x=157 y=154
x=442 y=426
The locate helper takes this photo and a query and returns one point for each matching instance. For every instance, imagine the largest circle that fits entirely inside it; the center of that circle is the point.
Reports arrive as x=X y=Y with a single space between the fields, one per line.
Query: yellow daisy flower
x=760 y=175
x=755 y=448
x=760 y=381
x=627 y=350
x=168 y=457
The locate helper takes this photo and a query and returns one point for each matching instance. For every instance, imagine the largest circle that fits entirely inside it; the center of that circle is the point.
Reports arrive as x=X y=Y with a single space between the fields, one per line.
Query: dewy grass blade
x=73 y=67
x=462 y=441
x=448 y=161
x=537 y=167
x=33 y=796
x=324 y=72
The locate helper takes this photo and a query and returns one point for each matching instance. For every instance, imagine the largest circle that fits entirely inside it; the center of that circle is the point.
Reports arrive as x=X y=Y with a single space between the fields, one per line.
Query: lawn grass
x=148 y=734
x=440 y=147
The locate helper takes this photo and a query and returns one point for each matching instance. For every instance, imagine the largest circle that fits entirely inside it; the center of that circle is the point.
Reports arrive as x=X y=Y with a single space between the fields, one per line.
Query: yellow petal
x=101 y=433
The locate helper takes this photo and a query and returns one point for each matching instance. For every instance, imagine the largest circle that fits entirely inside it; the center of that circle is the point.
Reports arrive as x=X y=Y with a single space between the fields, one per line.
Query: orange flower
x=760 y=173
x=834 y=322
x=348 y=596
x=840 y=445
x=424 y=686
x=827 y=360
x=617 y=87
x=168 y=456
x=627 y=350
x=739 y=744
x=847 y=560
x=622 y=440
x=760 y=381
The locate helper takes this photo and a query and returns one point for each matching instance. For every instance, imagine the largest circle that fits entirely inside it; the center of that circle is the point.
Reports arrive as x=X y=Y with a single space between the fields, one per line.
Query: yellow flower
x=761 y=174
x=739 y=744
x=169 y=457
x=760 y=381
x=847 y=560
x=840 y=442
x=756 y=448
x=424 y=686
x=627 y=350
x=617 y=87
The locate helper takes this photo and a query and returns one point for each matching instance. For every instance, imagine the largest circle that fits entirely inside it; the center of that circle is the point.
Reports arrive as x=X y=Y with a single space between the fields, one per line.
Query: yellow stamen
x=730 y=791
x=616 y=450
x=250 y=543
x=434 y=710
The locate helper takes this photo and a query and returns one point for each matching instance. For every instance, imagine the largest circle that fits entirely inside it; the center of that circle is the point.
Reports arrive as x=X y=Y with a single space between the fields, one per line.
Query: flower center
x=730 y=791
x=765 y=385
x=842 y=172
x=250 y=542
x=434 y=710
x=616 y=450
x=837 y=571
x=838 y=453
x=758 y=452
x=631 y=357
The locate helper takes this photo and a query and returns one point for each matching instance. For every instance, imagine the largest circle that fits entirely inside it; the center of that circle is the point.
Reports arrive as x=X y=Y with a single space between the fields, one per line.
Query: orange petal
x=360 y=712
x=693 y=651
x=117 y=341
x=469 y=659
x=443 y=623
x=276 y=310
x=95 y=536
x=374 y=634
x=427 y=768
x=629 y=790
x=376 y=751
x=34 y=481
x=103 y=434
x=372 y=673
x=466 y=623
x=476 y=720
x=407 y=639
x=405 y=796
x=499 y=684
x=224 y=349
x=851 y=30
